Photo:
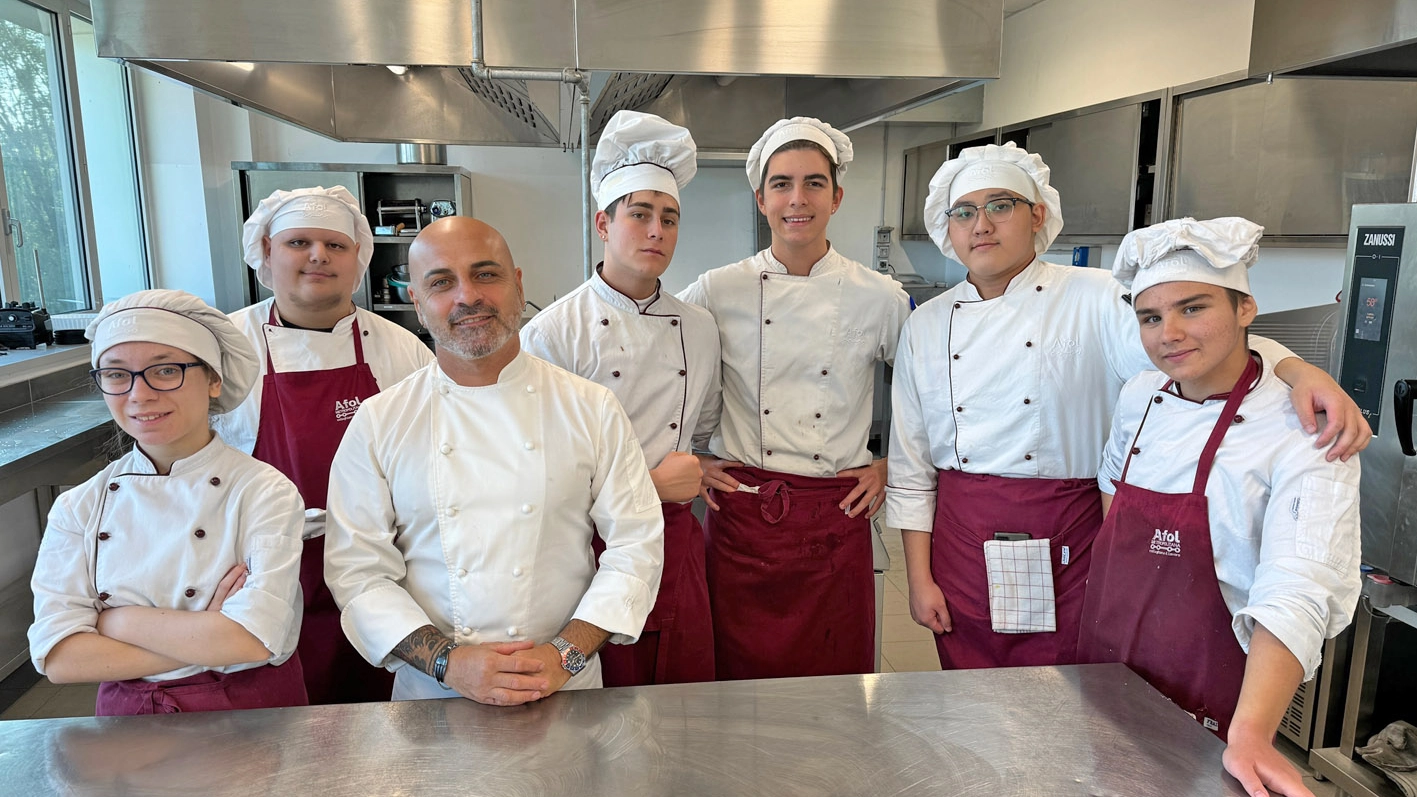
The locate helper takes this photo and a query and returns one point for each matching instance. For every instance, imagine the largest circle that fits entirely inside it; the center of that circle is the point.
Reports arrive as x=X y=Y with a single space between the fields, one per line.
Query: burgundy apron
x=266 y=686
x=1153 y=600
x=790 y=579
x=676 y=646
x=969 y=509
x=304 y=415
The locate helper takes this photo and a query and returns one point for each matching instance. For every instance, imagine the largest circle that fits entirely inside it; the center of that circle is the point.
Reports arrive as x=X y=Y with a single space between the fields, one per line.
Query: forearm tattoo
x=421 y=647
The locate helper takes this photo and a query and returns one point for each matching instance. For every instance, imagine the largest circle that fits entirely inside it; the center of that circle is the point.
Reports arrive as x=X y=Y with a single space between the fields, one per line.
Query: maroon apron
x=266 y=686
x=1153 y=600
x=304 y=415
x=676 y=646
x=790 y=579
x=969 y=509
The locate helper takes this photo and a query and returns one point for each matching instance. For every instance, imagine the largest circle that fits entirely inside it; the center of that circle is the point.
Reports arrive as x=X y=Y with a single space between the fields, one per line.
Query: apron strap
x=774 y=489
x=1227 y=417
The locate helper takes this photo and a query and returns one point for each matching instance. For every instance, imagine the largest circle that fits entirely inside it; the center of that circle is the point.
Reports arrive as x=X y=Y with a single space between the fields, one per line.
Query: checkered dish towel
x=1021 y=597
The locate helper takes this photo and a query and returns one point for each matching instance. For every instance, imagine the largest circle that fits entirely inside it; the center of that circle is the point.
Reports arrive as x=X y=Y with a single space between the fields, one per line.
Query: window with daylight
x=69 y=208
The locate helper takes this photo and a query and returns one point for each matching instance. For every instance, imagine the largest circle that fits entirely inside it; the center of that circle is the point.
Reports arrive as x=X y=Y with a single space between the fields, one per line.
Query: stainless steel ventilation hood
x=727 y=68
x=1353 y=38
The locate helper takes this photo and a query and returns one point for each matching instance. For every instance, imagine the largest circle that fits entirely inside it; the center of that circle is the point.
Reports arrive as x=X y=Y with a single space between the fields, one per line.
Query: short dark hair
x=614 y=206
x=1235 y=297
x=801 y=144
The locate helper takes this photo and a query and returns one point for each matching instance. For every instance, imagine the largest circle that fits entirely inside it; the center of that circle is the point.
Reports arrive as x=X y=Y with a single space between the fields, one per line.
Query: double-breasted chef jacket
x=799 y=359
x=659 y=356
x=1284 y=524
x=472 y=509
x=130 y=536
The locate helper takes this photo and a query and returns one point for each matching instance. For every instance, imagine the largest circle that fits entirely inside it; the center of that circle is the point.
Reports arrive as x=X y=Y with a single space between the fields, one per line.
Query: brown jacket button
x=215 y=481
x=191 y=593
x=769 y=453
x=200 y=533
x=615 y=374
x=767 y=412
x=956 y=305
x=959 y=409
x=682 y=372
x=956 y=356
x=1239 y=419
x=824 y=372
x=605 y=322
x=112 y=486
x=674 y=323
x=673 y=426
x=103 y=535
x=1029 y=344
x=819 y=415
x=103 y=596
x=1156 y=400
x=767 y=320
x=1027 y=401
x=965 y=460
x=1028 y=456
x=1039 y=288
x=1135 y=450
x=816 y=456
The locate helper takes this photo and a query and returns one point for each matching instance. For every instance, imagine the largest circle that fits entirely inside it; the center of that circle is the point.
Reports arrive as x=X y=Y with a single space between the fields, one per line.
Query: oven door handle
x=1402 y=394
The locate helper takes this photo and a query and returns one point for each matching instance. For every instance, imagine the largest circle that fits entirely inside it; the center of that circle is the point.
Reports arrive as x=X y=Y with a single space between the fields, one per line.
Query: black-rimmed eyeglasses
x=997 y=210
x=161 y=376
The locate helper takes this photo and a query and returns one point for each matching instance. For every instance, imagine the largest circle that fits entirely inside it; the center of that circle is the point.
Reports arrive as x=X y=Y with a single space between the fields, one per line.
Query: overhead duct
x=1355 y=38
x=803 y=57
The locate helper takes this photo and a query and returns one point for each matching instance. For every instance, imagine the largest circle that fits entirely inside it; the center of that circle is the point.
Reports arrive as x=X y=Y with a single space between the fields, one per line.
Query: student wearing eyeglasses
x=173 y=576
x=1003 y=395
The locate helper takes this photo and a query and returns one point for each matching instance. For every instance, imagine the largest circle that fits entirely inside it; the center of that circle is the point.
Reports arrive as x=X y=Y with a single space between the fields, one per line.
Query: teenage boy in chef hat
x=793 y=484
x=1228 y=532
x=1003 y=391
x=172 y=576
x=660 y=357
x=320 y=357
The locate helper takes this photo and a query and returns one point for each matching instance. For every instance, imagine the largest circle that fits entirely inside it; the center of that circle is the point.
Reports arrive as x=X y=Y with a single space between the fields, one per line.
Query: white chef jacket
x=1022 y=385
x=132 y=537
x=472 y=509
x=799 y=358
x=1284 y=525
x=391 y=351
x=660 y=358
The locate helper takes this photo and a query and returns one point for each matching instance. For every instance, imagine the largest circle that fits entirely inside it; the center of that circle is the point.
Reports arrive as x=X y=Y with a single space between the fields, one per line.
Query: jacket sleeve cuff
x=378 y=620
x=617 y=603
x=910 y=510
x=1304 y=640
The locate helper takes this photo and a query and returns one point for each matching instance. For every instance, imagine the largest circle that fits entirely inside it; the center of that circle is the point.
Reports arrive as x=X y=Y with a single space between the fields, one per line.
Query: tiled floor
x=46 y=700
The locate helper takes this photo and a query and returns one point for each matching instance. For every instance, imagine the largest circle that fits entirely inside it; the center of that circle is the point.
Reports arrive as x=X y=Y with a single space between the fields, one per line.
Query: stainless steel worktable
x=1089 y=730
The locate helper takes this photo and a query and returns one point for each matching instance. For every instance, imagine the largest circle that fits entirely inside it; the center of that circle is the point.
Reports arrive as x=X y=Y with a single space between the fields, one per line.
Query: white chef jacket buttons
x=445 y=448
x=531 y=388
x=529 y=446
x=466 y=631
x=516 y=572
x=526 y=509
x=462 y=572
x=443 y=389
x=513 y=631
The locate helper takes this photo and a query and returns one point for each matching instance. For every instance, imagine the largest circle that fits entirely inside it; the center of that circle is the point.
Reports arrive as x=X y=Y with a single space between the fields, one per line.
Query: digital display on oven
x=1372 y=299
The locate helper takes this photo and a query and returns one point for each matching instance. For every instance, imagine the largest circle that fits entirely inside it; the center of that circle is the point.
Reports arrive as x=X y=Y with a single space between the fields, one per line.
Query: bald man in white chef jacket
x=660 y=356
x=463 y=501
x=320 y=356
x=793 y=483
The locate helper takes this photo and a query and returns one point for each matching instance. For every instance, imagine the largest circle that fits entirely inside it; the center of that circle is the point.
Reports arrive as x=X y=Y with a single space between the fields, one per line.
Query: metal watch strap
x=440 y=663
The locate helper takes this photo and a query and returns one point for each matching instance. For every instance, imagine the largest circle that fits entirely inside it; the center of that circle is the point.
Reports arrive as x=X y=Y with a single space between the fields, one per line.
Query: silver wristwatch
x=573 y=659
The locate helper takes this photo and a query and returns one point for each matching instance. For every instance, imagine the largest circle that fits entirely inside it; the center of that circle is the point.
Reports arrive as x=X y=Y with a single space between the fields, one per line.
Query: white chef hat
x=179 y=319
x=641 y=152
x=992 y=166
x=798 y=128
x=331 y=208
x=1216 y=252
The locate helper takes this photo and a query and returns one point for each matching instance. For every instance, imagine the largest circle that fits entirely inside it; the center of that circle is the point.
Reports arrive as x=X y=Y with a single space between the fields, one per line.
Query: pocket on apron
x=1021 y=598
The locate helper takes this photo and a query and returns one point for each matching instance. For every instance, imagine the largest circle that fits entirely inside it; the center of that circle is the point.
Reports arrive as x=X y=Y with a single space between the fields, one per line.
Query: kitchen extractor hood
x=727 y=68
x=1354 y=38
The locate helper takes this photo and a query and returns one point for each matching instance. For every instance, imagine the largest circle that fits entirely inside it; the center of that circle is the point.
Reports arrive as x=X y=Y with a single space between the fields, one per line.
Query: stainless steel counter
x=1095 y=730
x=36 y=438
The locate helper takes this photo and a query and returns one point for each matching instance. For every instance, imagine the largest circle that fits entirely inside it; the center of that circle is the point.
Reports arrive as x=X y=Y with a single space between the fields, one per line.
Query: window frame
x=64 y=12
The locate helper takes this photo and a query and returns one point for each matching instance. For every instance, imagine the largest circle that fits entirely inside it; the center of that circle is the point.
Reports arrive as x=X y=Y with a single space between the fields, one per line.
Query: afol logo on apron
x=345 y=409
x=1166 y=543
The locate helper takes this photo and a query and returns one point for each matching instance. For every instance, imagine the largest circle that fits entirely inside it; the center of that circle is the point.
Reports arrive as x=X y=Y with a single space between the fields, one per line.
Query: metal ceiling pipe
x=576 y=77
x=427 y=154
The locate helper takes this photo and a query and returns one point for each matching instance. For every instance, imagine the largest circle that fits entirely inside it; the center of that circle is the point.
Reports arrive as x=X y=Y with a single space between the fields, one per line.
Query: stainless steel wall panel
x=721 y=117
x=529 y=33
x=1292 y=34
x=1093 y=159
x=297 y=93
x=1294 y=155
x=303 y=31
x=836 y=38
x=434 y=106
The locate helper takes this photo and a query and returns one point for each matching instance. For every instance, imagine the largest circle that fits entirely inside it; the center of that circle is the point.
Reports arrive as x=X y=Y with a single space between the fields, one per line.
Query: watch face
x=574 y=660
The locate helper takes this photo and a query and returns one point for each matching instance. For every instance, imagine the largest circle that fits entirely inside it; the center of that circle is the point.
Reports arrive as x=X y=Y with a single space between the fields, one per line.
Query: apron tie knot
x=774 y=489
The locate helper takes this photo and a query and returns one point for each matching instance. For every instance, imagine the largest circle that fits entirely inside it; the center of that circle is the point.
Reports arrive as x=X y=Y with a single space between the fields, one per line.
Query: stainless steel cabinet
x=1093 y=158
x=1294 y=155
